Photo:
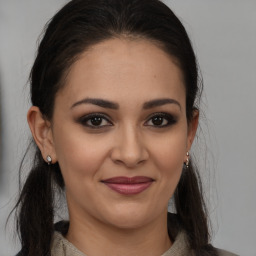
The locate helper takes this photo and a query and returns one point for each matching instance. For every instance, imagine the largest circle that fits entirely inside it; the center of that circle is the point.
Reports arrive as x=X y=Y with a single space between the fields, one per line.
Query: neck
x=95 y=238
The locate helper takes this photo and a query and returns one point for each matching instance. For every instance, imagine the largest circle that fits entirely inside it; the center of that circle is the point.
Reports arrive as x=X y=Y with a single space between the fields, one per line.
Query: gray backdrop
x=223 y=33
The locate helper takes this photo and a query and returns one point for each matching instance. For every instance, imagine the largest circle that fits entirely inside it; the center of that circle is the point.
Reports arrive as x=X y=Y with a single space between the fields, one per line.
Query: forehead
x=123 y=68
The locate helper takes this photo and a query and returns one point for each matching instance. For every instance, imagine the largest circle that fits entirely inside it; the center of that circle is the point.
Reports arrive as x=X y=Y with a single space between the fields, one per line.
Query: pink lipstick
x=128 y=185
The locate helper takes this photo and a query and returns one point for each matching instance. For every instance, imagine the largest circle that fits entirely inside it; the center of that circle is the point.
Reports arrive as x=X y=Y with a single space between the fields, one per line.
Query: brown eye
x=95 y=121
x=160 y=120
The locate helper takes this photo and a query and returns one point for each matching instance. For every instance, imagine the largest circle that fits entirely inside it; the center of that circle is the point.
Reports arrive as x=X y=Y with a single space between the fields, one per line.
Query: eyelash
x=170 y=119
x=84 y=120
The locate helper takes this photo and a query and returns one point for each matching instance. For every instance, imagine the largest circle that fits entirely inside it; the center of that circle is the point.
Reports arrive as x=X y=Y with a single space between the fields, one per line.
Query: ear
x=192 y=128
x=42 y=133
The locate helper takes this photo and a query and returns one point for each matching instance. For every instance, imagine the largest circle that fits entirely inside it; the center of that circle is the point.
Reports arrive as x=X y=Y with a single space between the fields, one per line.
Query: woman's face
x=120 y=133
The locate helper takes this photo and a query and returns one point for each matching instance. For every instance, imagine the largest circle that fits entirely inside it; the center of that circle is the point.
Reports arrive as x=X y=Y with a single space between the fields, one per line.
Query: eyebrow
x=99 y=102
x=160 y=102
x=112 y=105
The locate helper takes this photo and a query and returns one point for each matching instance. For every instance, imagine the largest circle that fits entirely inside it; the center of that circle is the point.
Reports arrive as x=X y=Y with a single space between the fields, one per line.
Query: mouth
x=128 y=185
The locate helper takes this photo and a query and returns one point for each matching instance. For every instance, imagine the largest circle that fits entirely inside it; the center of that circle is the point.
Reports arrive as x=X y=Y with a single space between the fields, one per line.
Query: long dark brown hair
x=77 y=26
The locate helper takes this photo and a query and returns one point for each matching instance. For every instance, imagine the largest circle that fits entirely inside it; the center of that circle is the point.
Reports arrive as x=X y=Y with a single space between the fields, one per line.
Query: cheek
x=170 y=150
x=168 y=157
x=79 y=156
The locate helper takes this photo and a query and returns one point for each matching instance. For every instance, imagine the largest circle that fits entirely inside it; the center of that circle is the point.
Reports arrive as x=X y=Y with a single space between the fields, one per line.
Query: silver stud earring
x=187 y=161
x=49 y=160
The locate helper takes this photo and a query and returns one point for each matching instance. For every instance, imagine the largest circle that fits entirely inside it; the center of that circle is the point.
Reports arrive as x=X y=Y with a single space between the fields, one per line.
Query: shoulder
x=175 y=228
x=61 y=246
x=225 y=253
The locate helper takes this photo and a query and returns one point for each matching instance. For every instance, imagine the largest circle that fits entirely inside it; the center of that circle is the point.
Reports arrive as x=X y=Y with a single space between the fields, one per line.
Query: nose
x=129 y=148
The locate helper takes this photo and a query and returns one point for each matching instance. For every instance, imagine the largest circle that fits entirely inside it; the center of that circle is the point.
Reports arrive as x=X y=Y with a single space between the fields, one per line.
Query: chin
x=129 y=219
x=129 y=223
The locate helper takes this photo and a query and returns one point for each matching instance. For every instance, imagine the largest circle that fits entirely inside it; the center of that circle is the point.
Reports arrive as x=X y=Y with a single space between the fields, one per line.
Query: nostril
x=129 y=161
x=129 y=149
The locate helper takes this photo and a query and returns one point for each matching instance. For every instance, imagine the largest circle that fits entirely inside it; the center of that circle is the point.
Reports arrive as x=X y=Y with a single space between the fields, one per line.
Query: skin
x=126 y=143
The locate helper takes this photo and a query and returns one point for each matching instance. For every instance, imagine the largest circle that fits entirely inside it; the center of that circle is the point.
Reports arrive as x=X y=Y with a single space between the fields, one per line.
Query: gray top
x=62 y=247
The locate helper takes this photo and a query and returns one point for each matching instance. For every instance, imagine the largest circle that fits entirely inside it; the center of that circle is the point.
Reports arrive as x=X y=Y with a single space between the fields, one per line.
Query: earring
x=187 y=161
x=49 y=160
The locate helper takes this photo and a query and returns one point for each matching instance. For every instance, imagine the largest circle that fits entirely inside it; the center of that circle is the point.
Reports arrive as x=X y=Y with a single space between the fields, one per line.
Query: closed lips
x=128 y=185
x=128 y=180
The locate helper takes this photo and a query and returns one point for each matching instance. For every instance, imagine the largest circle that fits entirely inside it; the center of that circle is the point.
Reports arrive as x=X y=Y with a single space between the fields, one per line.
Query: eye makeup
x=100 y=120
x=95 y=120
x=161 y=120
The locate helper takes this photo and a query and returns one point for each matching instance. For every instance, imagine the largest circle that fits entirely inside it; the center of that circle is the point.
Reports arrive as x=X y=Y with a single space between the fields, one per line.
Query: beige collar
x=62 y=247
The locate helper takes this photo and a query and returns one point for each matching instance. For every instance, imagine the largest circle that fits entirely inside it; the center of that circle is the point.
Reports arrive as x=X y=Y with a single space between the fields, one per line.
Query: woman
x=115 y=95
